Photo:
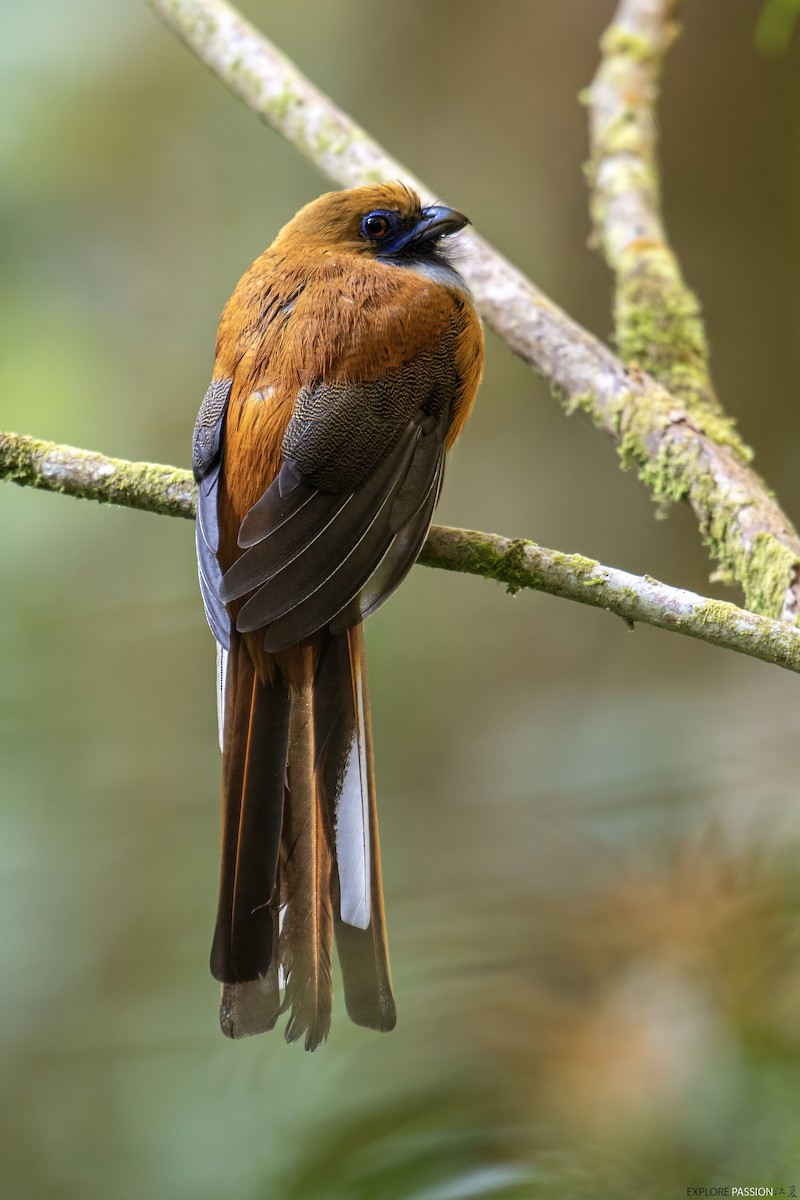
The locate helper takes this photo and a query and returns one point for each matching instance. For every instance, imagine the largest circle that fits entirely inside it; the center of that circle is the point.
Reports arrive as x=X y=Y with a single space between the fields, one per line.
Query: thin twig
x=678 y=455
x=518 y=564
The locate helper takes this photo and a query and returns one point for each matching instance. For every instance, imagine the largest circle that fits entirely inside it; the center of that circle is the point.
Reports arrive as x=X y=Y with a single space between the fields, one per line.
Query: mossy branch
x=516 y=563
x=89 y=476
x=682 y=450
x=699 y=455
x=657 y=321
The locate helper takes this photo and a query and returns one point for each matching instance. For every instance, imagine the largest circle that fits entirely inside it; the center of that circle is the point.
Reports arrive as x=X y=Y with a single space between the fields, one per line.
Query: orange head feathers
x=378 y=221
x=348 y=359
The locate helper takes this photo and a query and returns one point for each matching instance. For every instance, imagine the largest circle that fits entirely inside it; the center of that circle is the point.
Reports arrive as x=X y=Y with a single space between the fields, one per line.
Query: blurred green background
x=590 y=836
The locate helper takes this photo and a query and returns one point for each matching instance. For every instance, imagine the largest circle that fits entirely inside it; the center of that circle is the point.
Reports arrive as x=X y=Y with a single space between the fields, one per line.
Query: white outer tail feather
x=222 y=676
x=352 y=820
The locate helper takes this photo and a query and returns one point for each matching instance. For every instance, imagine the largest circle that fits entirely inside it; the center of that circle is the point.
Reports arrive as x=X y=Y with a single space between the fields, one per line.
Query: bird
x=347 y=361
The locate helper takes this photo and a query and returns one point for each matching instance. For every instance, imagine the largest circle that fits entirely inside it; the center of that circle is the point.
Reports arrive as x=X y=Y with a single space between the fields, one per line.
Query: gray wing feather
x=206 y=464
x=400 y=558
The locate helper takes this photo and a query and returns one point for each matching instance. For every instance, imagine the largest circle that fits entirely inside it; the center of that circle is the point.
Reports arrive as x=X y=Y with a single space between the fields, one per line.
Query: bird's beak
x=437 y=221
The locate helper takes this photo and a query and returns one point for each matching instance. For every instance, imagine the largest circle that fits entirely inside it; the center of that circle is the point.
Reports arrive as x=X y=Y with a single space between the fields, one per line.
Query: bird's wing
x=343 y=521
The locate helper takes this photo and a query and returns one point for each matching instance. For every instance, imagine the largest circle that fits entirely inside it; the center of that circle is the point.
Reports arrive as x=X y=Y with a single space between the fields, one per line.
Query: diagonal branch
x=680 y=453
x=517 y=563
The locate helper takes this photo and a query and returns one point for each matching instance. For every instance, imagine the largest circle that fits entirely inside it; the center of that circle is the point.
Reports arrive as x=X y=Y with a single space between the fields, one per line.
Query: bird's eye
x=376 y=226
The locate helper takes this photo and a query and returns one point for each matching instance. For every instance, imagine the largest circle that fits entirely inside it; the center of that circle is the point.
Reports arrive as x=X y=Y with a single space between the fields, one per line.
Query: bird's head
x=384 y=221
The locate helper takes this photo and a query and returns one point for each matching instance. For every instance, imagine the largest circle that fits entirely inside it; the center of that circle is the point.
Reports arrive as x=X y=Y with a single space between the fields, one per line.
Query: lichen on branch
x=683 y=445
x=515 y=563
x=89 y=476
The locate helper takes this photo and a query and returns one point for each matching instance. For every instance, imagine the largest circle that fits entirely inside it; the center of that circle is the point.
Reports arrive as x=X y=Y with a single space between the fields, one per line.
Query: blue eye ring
x=377 y=225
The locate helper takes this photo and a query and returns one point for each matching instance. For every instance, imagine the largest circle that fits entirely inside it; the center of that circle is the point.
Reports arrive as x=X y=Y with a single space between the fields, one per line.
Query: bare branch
x=679 y=452
x=516 y=563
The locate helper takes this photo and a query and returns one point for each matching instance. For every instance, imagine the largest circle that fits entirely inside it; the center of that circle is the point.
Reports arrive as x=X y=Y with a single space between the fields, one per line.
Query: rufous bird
x=347 y=361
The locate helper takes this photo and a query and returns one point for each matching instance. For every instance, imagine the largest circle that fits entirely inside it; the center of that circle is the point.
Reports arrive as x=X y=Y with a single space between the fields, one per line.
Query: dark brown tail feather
x=253 y=783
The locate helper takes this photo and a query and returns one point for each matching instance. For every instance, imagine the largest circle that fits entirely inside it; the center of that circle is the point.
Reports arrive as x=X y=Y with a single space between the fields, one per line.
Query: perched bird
x=347 y=361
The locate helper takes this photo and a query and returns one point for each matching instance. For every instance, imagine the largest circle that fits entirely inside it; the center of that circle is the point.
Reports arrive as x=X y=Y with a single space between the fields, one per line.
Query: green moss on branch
x=73 y=472
x=517 y=563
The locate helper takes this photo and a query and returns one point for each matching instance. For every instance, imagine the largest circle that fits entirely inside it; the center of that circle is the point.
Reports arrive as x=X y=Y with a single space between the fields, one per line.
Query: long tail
x=300 y=834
